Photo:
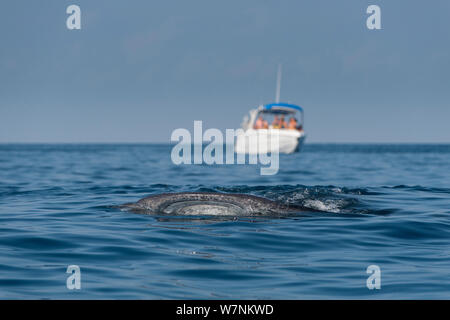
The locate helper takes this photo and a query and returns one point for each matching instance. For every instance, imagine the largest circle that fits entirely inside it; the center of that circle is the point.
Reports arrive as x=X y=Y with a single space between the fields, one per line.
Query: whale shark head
x=210 y=203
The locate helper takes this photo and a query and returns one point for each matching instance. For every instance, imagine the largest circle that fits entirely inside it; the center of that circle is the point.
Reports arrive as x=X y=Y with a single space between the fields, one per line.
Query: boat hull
x=265 y=141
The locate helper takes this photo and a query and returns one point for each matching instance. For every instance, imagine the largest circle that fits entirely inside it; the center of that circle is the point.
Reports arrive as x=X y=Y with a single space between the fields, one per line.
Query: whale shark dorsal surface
x=211 y=203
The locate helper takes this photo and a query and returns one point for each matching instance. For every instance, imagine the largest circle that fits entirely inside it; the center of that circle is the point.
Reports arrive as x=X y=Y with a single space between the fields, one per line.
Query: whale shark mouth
x=190 y=208
x=194 y=208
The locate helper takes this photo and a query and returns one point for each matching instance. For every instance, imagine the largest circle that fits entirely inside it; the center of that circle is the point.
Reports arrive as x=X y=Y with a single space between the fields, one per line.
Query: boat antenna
x=277 y=94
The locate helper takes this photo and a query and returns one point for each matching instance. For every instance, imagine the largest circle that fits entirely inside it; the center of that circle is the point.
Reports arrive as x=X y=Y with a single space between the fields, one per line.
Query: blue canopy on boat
x=281 y=106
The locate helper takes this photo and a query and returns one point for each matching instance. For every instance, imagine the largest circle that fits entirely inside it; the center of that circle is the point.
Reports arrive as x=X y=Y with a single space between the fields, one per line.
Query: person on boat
x=276 y=123
x=265 y=124
x=259 y=123
x=283 y=124
x=292 y=125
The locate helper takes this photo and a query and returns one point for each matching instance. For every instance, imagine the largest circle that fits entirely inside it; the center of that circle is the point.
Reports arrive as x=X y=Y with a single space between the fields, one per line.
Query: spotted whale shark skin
x=211 y=203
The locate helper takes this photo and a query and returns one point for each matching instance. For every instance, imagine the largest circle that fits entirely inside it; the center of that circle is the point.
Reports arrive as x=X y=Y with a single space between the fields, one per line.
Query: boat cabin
x=272 y=111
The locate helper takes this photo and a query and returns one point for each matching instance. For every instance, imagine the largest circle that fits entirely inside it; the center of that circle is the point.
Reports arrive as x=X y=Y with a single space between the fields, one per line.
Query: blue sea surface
x=385 y=205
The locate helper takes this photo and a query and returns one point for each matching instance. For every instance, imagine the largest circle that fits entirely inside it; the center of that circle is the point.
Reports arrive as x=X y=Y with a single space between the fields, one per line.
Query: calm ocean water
x=388 y=205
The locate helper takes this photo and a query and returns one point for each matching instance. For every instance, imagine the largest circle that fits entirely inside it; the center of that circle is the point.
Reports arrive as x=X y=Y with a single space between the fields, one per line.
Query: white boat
x=255 y=140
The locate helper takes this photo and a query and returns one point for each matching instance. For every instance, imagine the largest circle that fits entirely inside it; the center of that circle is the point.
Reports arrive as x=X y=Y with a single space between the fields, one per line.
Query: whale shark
x=211 y=203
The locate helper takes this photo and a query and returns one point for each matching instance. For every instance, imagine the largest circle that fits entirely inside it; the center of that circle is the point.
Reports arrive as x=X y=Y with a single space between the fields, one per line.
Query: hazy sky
x=139 y=69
